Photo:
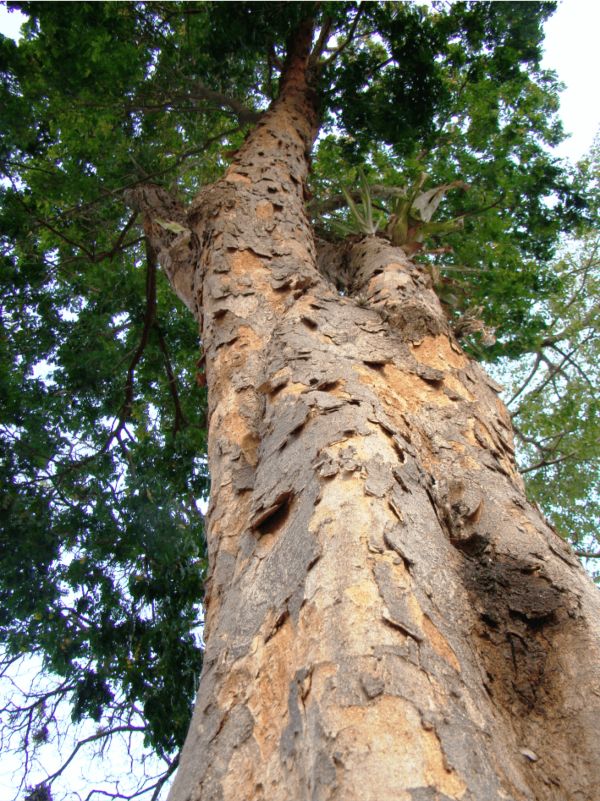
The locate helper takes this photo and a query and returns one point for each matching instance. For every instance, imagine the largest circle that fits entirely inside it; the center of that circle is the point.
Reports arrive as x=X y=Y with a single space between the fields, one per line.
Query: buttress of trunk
x=386 y=616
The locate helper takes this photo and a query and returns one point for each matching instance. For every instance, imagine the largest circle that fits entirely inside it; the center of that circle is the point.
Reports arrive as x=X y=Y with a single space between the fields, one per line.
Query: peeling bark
x=386 y=615
x=167 y=230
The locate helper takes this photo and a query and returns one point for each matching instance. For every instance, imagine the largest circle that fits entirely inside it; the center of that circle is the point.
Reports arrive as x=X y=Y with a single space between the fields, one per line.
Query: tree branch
x=338 y=50
x=527 y=381
x=245 y=115
x=178 y=159
x=149 y=317
x=169 y=772
x=549 y=462
x=180 y=419
x=573 y=363
x=92 y=738
x=166 y=228
x=321 y=40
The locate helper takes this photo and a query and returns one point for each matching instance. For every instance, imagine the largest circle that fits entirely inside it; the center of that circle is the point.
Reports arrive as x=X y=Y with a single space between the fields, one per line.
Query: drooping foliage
x=102 y=388
x=554 y=389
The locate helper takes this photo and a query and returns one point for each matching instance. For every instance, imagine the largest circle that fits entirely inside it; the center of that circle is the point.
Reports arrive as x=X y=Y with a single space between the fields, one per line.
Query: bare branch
x=529 y=440
x=553 y=371
x=159 y=784
x=549 y=462
x=577 y=368
x=527 y=381
x=86 y=741
x=149 y=318
x=588 y=554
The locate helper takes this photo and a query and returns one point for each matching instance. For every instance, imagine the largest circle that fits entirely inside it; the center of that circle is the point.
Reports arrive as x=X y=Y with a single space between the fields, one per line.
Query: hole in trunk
x=276 y=516
x=534 y=621
x=327 y=386
x=310 y=323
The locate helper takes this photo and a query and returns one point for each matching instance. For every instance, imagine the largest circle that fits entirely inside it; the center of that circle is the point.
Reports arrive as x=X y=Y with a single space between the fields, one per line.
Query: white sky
x=572 y=49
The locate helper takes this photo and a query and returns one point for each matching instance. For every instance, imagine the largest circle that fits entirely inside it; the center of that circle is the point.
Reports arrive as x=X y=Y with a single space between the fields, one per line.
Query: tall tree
x=386 y=614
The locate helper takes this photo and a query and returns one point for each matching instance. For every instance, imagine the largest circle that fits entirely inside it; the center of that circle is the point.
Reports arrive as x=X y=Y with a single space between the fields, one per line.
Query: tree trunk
x=386 y=615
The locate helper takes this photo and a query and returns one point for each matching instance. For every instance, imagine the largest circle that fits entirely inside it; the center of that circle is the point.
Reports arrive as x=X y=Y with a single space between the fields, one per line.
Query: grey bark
x=386 y=615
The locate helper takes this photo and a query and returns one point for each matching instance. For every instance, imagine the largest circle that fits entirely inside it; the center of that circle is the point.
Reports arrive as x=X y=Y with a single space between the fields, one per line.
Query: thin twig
x=335 y=53
x=549 y=462
x=534 y=369
x=574 y=364
x=92 y=738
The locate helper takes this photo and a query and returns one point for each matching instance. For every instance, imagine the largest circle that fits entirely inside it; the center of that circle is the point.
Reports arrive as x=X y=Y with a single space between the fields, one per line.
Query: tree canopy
x=437 y=129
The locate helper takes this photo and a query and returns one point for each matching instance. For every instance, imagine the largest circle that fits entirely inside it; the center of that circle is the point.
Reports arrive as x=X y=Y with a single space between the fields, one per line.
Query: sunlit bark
x=386 y=615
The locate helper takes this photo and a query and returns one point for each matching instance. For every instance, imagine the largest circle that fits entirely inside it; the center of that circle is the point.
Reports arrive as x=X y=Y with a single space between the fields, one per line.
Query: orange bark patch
x=465 y=461
x=234 y=689
x=339 y=390
x=364 y=594
x=439 y=643
x=436 y=351
x=270 y=688
x=236 y=177
x=412 y=390
x=297 y=249
x=478 y=434
x=235 y=426
x=227 y=529
x=238 y=431
x=400 y=390
x=249 y=445
x=393 y=404
x=245 y=264
x=240 y=774
x=335 y=495
x=244 y=261
x=458 y=387
x=294 y=388
x=264 y=210
x=392 y=752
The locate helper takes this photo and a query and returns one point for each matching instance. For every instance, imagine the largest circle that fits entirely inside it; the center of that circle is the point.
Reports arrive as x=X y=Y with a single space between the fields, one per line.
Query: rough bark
x=386 y=615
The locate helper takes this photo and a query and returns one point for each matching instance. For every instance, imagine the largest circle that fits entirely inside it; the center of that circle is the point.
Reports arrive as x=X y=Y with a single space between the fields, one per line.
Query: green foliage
x=101 y=540
x=363 y=215
x=102 y=419
x=493 y=117
x=554 y=391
